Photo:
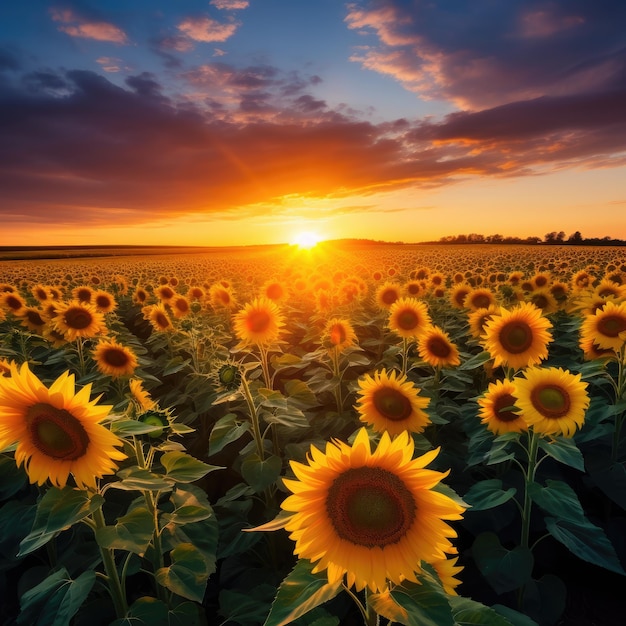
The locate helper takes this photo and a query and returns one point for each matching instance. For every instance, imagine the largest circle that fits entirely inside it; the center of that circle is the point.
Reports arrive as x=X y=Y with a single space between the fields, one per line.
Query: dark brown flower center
x=258 y=321
x=392 y=404
x=15 y=304
x=611 y=325
x=35 y=318
x=182 y=305
x=115 y=357
x=274 y=291
x=504 y=401
x=407 y=319
x=103 y=302
x=77 y=318
x=56 y=432
x=370 y=506
x=337 y=334
x=540 y=301
x=162 y=320
x=516 y=337
x=550 y=400
x=481 y=301
x=389 y=296
x=84 y=295
x=439 y=347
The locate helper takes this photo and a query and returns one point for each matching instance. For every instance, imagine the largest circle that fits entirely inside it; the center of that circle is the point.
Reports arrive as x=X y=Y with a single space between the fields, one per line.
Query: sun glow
x=306 y=239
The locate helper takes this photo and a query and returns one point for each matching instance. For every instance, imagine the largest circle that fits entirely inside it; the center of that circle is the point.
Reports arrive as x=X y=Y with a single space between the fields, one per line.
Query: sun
x=306 y=239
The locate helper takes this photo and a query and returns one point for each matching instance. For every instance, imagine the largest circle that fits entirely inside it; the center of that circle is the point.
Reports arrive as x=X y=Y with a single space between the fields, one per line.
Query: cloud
x=479 y=55
x=79 y=148
x=230 y=5
x=77 y=26
x=206 y=30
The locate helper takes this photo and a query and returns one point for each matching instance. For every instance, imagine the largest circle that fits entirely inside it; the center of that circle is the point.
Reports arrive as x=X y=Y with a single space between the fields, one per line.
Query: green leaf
x=246 y=608
x=559 y=499
x=260 y=474
x=487 y=494
x=58 y=509
x=188 y=573
x=475 y=361
x=505 y=570
x=148 y=611
x=544 y=599
x=132 y=532
x=564 y=450
x=426 y=604
x=272 y=399
x=12 y=477
x=515 y=617
x=184 y=468
x=190 y=505
x=300 y=592
x=586 y=541
x=225 y=431
x=136 y=478
x=175 y=365
x=468 y=612
x=299 y=395
x=126 y=428
x=55 y=600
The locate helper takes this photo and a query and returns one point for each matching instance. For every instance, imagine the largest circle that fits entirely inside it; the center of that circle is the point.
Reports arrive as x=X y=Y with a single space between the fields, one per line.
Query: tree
x=575 y=239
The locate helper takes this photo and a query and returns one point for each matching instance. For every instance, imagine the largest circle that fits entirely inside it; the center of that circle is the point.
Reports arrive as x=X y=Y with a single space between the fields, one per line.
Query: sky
x=242 y=122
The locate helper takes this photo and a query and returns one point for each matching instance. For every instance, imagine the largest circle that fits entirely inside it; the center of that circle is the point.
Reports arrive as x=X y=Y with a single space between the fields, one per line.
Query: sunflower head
x=435 y=348
x=114 y=359
x=77 y=320
x=498 y=409
x=160 y=419
x=338 y=334
x=259 y=322
x=229 y=376
x=372 y=517
x=408 y=317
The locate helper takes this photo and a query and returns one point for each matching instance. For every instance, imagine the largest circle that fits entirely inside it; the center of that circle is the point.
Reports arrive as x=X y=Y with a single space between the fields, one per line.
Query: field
x=351 y=434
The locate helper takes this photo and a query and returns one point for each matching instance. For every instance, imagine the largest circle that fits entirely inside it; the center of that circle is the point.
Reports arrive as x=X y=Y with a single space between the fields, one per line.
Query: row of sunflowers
x=437 y=429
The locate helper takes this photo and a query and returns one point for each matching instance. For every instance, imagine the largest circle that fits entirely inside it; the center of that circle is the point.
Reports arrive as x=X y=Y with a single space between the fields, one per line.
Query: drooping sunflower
x=518 y=337
x=164 y=293
x=390 y=402
x=40 y=292
x=458 y=294
x=57 y=430
x=552 y=400
x=387 y=294
x=158 y=317
x=180 y=306
x=114 y=359
x=434 y=347
x=477 y=320
x=259 y=322
x=496 y=409
x=408 y=317
x=607 y=326
x=372 y=517
x=12 y=302
x=140 y=395
x=140 y=296
x=32 y=318
x=221 y=297
x=78 y=320
x=338 y=334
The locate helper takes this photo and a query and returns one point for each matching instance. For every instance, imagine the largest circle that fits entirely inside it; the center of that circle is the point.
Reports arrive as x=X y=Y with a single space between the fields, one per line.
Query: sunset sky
x=224 y=122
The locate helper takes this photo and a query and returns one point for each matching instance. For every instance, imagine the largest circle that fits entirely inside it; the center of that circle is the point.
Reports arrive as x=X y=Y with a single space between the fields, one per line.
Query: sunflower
x=413 y=288
x=140 y=395
x=78 y=320
x=221 y=297
x=180 y=306
x=552 y=400
x=12 y=302
x=82 y=293
x=196 y=293
x=32 y=318
x=477 y=320
x=591 y=351
x=40 y=292
x=140 y=296
x=157 y=315
x=408 y=317
x=496 y=409
x=372 y=517
x=164 y=293
x=434 y=347
x=391 y=403
x=543 y=299
x=479 y=298
x=274 y=290
x=259 y=322
x=458 y=294
x=113 y=359
x=387 y=294
x=338 y=334
x=607 y=326
x=57 y=430
x=103 y=301
x=518 y=337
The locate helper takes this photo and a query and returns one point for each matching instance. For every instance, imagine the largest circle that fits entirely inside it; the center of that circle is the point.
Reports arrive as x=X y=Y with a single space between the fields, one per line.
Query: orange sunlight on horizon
x=305 y=239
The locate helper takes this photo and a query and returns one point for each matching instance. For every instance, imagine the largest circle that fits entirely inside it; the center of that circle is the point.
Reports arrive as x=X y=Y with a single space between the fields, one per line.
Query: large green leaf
x=187 y=575
x=132 y=532
x=586 y=541
x=260 y=474
x=135 y=478
x=148 y=611
x=250 y=607
x=55 y=600
x=300 y=592
x=559 y=499
x=426 y=604
x=468 y=612
x=487 y=494
x=505 y=570
x=515 y=617
x=226 y=430
x=57 y=510
x=564 y=450
x=184 y=468
x=190 y=505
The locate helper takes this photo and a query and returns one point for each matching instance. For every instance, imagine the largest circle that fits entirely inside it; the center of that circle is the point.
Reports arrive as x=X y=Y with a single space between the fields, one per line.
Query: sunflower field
x=365 y=434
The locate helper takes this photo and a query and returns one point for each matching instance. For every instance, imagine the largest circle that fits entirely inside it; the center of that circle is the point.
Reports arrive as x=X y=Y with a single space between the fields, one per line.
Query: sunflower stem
x=371 y=617
x=81 y=356
x=619 y=392
x=114 y=584
x=254 y=417
x=405 y=355
x=337 y=375
x=529 y=478
x=265 y=366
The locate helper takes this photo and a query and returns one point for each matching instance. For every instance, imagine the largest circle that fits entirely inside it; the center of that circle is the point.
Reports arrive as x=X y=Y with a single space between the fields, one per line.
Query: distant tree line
x=552 y=238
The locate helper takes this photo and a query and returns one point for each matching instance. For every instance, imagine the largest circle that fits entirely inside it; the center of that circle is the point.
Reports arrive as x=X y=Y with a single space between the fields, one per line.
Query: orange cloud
x=76 y=26
x=206 y=30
